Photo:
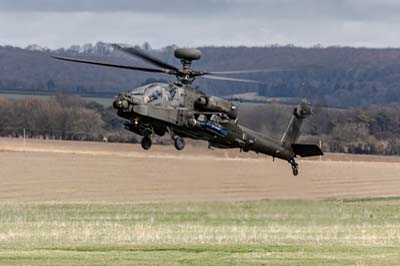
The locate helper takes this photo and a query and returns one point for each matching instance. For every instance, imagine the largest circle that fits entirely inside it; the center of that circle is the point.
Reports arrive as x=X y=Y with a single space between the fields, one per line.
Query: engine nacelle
x=215 y=104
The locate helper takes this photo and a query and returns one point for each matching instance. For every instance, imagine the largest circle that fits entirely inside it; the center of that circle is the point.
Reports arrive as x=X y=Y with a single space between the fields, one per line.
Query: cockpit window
x=139 y=91
x=159 y=91
x=153 y=93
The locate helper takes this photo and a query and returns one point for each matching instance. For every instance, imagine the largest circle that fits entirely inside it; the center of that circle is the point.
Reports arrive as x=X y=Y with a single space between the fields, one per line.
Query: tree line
x=61 y=117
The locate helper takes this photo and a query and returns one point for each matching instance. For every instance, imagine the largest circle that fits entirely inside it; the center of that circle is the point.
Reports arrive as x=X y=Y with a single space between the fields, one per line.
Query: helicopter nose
x=124 y=101
x=120 y=102
x=117 y=102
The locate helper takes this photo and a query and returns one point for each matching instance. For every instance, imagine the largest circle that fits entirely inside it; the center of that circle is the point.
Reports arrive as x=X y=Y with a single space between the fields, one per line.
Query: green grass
x=331 y=232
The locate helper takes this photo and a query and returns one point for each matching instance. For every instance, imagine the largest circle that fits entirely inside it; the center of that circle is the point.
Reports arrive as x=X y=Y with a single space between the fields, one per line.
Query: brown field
x=61 y=171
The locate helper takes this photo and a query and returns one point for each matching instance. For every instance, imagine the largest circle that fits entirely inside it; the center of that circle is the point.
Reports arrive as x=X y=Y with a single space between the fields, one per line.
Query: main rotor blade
x=148 y=58
x=249 y=71
x=231 y=79
x=111 y=65
x=265 y=70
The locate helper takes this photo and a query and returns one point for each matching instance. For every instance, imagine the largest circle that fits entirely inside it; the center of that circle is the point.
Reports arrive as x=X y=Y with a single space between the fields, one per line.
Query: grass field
x=310 y=232
x=84 y=203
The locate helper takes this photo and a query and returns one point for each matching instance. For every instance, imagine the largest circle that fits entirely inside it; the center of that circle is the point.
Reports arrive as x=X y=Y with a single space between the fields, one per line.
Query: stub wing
x=307 y=150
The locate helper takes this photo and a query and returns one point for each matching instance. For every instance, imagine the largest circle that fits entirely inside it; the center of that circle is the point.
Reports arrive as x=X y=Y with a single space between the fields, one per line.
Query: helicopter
x=184 y=111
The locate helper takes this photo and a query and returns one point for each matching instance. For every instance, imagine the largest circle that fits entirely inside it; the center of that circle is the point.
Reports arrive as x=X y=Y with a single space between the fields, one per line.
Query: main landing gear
x=146 y=142
x=295 y=167
x=179 y=143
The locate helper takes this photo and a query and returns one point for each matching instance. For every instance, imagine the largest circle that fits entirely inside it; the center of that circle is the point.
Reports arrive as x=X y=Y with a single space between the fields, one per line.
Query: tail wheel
x=295 y=167
x=146 y=143
x=179 y=143
x=295 y=170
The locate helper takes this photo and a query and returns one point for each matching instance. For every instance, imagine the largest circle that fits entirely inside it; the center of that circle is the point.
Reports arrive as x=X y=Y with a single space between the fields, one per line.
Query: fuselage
x=181 y=115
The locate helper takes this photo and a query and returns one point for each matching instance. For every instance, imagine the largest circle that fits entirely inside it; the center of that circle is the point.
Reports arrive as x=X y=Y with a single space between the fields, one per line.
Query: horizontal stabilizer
x=307 y=150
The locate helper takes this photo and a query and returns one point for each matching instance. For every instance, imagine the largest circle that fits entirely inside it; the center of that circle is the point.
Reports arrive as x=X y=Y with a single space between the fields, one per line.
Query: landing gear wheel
x=295 y=167
x=179 y=143
x=146 y=143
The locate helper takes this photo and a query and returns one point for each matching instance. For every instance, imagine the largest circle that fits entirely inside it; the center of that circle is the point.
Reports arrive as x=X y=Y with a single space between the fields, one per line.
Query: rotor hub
x=187 y=55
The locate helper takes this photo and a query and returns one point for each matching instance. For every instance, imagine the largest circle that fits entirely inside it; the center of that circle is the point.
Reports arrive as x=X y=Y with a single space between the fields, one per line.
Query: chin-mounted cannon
x=215 y=104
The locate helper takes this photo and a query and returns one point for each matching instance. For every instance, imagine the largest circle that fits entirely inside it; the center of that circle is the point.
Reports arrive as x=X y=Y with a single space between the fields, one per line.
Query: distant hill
x=337 y=76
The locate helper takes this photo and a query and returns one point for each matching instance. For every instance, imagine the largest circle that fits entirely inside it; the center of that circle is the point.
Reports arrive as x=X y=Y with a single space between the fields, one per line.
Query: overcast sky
x=61 y=23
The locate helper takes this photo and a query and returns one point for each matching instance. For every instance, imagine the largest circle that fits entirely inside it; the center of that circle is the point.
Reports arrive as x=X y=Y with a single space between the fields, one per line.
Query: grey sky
x=61 y=23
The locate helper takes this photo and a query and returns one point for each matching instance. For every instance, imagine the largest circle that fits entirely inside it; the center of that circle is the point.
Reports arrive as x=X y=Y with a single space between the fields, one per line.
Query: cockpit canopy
x=156 y=91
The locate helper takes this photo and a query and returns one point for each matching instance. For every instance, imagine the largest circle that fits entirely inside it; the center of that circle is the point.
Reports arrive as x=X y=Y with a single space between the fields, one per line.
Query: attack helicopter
x=184 y=111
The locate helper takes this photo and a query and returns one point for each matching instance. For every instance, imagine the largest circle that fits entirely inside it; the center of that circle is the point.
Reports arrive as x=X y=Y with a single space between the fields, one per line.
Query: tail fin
x=292 y=133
